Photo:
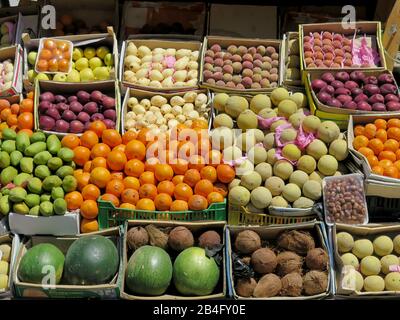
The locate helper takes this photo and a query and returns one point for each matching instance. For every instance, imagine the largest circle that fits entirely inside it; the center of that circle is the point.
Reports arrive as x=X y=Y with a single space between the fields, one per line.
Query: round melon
x=91 y=260
x=149 y=271
x=35 y=263
x=195 y=274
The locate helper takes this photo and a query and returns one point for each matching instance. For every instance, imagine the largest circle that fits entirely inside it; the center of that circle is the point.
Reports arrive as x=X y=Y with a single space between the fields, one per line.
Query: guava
x=283 y=169
x=291 y=192
x=363 y=248
x=350 y=259
x=370 y=265
x=307 y=164
x=383 y=246
x=374 y=284
x=344 y=242
x=317 y=149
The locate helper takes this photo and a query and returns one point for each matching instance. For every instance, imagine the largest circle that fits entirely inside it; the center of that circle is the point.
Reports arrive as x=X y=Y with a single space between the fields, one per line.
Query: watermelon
x=149 y=271
x=194 y=273
x=35 y=265
x=91 y=260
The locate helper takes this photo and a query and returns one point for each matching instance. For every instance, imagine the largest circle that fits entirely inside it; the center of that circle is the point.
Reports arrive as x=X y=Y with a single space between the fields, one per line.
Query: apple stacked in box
x=6 y=74
x=357 y=91
x=75 y=112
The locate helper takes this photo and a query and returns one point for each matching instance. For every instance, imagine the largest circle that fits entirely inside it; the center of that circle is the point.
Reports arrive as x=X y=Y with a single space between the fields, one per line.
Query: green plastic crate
x=110 y=216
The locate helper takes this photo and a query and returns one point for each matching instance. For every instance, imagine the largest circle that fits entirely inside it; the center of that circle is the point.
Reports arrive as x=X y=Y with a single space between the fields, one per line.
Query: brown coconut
x=298 y=241
x=263 y=261
x=315 y=282
x=247 y=242
x=292 y=285
x=288 y=262
x=317 y=259
x=180 y=238
x=245 y=287
x=268 y=286
x=137 y=237
x=157 y=237
x=209 y=239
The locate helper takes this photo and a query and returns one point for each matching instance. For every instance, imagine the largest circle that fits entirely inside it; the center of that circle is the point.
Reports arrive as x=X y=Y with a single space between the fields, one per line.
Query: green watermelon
x=194 y=273
x=149 y=271
x=91 y=260
x=34 y=265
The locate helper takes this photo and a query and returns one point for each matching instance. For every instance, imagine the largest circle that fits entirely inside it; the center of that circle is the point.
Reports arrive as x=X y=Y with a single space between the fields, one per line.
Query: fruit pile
x=159 y=67
x=18 y=117
x=241 y=67
x=292 y=268
x=159 y=112
x=75 y=113
x=357 y=91
x=36 y=173
x=5 y=252
x=6 y=74
x=54 y=56
x=90 y=260
x=293 y=61
x=375 y=263
x=150 y=269
x=7 y=30
x=68 y=25
x=379 y=142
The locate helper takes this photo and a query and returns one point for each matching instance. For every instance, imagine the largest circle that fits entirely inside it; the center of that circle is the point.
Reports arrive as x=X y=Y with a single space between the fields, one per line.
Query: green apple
x=101 y=73
x=95 y=62
x=108 y=59
x=74 y=76
x=77 y=54
x=62 y=77
x=102 y=51
x=89 y=52
x=32 y=57
x=81 y=64
x=87 y=75
x=31 y=75
x=42 y=76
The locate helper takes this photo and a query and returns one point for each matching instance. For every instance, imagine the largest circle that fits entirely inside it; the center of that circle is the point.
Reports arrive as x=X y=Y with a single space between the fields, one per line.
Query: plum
x=83 y=96
x=76 y=126
x=361 y=97
x=76 y=107
x=108 y=102
x=337 y=84
x=72 y=99
x=44 y=105
x=62 y=126
x=83 y=117
x=380 y=107
x=96 y=96
x=47 y=96
x=68 y=115
x=393 y=106
x=109 y=123
x=110 y=114
x=376 y=98
x=350 y=105
x=46 y=123
x=357 y=76
x=342 y=90
x=356 y=91
x=350 y=84
x=53 y=112
x=334 y=103
x=61 y=107
x=328 y=89
x=97 y=116
x=342 y=76
x=371 y=89
x=59 y=98
x=385 y=78
x=370 y=80
x=91 y=107
x=364 y=106
x=343 y=98
x=324 y=97
x=328 y=77
x=388 y=88
x=391 y=97
x=318 y=84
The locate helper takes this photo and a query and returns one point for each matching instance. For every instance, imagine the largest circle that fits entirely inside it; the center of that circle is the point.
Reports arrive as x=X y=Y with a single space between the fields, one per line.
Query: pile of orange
x=379 y=142
x=17 y=116
x=120 y=169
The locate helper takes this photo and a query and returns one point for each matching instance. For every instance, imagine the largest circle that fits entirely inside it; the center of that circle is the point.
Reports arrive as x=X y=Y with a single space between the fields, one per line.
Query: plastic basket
x=110 y=216
x=383 y=209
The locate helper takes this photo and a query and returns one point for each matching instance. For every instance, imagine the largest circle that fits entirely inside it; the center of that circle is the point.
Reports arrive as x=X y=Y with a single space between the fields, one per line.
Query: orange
x=225 y=173
x=398 y=154
x=83 y=180
x=26 y=105
x=179 y=205
x=153 y=149
x=120 y=147
x=142 y=135
x=180 y=166
x=99 y=162
x=203 y=147
x=89 y=139
x=366 y=151
x=215 y=197
x=196 y=162
x=397 y=165
x=4 y=104
x=89 y=209
x=197 y=202
x=163 y=172
x=5 y=113
x=373 y=160
x=42 y=65
x=360 y=141
x=49 y=44
x=178 y=179
x=377 y=170
x=117 y=175
x=380 y=124
x=111 y=137
x=81 y=155
x=127 y=206
x=163 y=202
x=390 y=155
x=130 y=196
x=166 y=187
x=393 y=123
x=70 y=141
x=147 y=177
x=100 y=150
x=375 y=145
x=135 y=149
x=166 y=156
x=12 y=120
x=391 y=145
x=90 y=225
x=74 y=200
x=150 y=164
x=214 y=158
x=147 y=190
x=88 y=166
x=209 y=173
x=90 y=192
x=100 y=177
x=131 y=183
x=191 y=177
x=394 y=133
x=111 y=198
x=385 y=163
x=183 y=191
x=391 y=171
x=381 y=135
x=145 y=204
x=221 y=188
x=14 y=108
x=115 y=187
x=204 y=187
x=25 y=120
x=370 y=130
x=116 y=160
x=78 y=172
x=134 y=168
x=128 y=136
x=97 y=126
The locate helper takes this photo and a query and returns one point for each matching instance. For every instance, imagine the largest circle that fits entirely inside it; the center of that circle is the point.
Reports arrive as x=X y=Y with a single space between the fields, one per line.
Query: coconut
x=315 y=282
x=298 y=241
x=268 y=286
x=292 y=285
x=247 y=242
x=180 y=238
x=263 y=261
x=288 y=262
x=137 y=237
x=209 y=239
x=317 y=259
x=157 y=237
x=245 y=287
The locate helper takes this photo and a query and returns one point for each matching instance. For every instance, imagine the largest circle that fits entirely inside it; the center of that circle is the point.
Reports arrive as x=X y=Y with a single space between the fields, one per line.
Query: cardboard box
x=141 y=94
x=68 y=224
x=14 y=242
x=292 y=85
x=28 y=18
x=15 y=54
x=108 y=87
x=369 y=231
x=64 y=291
x=224 y=42
x=181 y=42
x=18 y=27
x=99 y=39
x=271 y=233
x=197 y=228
